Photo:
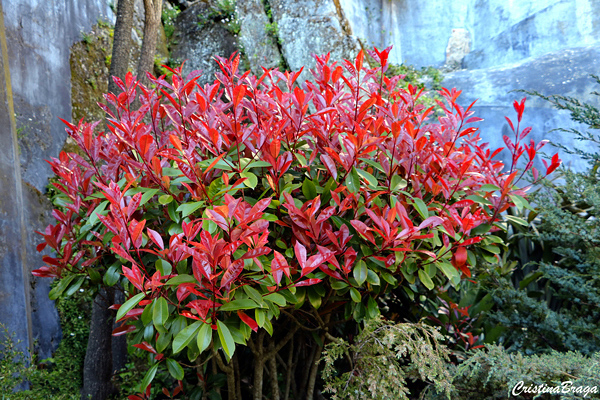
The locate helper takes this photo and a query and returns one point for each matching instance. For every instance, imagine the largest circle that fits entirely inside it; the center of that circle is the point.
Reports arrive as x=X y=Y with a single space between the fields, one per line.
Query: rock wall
x=502 y=32
x=39 y=35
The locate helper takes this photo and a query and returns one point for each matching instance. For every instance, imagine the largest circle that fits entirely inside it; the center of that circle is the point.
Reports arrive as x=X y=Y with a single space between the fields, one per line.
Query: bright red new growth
x=250 y=192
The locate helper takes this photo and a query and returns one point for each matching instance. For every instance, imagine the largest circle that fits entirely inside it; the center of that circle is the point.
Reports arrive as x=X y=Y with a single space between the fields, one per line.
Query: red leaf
x=145 y=346
x=308 y=282
x=248 y=321
x=156 y=238
x=460 y=257
x=261 y=251
x=232 y=272
x=123 y=329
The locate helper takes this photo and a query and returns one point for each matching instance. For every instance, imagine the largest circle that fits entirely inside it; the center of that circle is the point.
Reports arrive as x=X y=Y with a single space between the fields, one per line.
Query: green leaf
x=338 y=285
x=100 y=209
x=480 y=229
x=389 y=278
x=355 y=295
x=147 y=196
x=258 y=164
x=373 y=164
x=174 y=369
x=448 y=270
x=421 y=208
x=251 y=179
x=254 y=295
x=111 y=276
x=479 y=199
x=516 y=220
x=353 y=181
x=165 y=199
x=276 y=298
x=530 y=277
x=308 y=189
x=148 y=378
x=360 y=272
x=239 y=304
x=488 y=187
x=61 y=287
x=160 y=314
x=372 y=308
x=370 y=178
x=398 y=183
x=372 y=277
x=75 y=286
x=314 y=298
x=301 y=159
x=164 y=267
x=163 y=341
x=94 y=275
x=425 y=279
x=129 y=305
x=179 y=279
x=185 y=336
x=188 y=208
x=204 y=337
x=226 y=339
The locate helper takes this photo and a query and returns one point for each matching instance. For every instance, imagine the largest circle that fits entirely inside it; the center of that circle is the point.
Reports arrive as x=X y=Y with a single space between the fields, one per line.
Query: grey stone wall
x=39 y=34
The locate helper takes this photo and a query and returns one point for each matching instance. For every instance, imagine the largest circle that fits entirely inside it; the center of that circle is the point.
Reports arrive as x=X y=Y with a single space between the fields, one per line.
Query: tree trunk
x=97 y=366
x=98 y=363
x=121 y=43
x=152 y=9
x=119 y=343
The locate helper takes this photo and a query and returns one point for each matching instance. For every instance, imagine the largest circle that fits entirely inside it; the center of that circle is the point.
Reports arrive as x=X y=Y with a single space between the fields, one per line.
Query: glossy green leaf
x=353 y=181
x=183 y=338
x=308 y=189
x=204 y=337
x=129 y=305
x=188 y=208
x=421 y=208
x=251 y=179
x=372 y=277
x=164 y=267
x=112 y=275
x=174 y=369
x=163 y=341
x=148 y=378
x=60 y=287
x=355 y=295
x=239 y=304
x=182 y=278
x=360 y=272
x=276 y=298
x=398 y=183
x=160 y=313
x=368 y=177
x=226 y=339
x=425 y=279
x=516 y=220
x=165 y=199
x=100 y=209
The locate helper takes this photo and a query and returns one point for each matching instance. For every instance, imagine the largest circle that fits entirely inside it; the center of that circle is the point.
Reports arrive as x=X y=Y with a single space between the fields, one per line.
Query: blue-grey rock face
x=39 y=34
x=566 y=72
x=503 y=32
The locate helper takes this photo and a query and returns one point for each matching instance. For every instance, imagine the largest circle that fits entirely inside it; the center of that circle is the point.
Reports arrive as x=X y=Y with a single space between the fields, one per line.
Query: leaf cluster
x=219 y=208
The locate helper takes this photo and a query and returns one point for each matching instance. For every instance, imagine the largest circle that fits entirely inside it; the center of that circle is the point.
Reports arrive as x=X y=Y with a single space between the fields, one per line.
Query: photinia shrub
x=217 y=208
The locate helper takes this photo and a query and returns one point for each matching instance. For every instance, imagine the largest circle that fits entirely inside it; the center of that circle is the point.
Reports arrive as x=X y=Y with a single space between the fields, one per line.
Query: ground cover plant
x=264 y=216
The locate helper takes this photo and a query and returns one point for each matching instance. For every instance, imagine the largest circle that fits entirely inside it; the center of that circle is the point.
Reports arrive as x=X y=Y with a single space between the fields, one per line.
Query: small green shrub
x=492 y=373
x=381 y=360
